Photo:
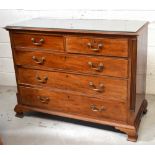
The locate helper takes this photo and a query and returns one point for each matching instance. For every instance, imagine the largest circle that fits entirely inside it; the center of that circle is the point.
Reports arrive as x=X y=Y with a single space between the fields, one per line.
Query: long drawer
x=77 y=63
x=94 y=86
x=38 y=41
x=73 y=104
x=97 y=46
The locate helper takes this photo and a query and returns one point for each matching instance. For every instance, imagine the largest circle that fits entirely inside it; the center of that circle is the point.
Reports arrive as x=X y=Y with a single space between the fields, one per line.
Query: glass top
x=84 y=24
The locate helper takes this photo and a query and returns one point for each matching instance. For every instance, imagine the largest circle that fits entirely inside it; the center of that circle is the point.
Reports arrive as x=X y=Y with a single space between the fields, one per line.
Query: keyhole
x=68 y=98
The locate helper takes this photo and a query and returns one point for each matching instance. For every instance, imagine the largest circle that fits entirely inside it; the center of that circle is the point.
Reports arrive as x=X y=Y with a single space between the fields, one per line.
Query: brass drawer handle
x=41 y=41
x=100 y=89
x=95 y=109
x=99 y=68
x=38 y=61
x=43 y=80
x=92 y=46
x=43 y=99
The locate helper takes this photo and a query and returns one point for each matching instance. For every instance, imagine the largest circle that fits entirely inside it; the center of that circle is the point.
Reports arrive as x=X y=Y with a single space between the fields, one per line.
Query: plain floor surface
x=38 y=128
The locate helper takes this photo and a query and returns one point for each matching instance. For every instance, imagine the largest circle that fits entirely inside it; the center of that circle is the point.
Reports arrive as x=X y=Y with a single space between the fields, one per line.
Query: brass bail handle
x=38 y=61
x=41 y=41
x=95 y=109
x=98 y=68
x=43 y=99
x=43 y=80
x=93 y=45
x=99 y=89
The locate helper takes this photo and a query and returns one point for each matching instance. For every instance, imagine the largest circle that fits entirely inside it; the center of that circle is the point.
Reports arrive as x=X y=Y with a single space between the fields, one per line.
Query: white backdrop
x=7 y=76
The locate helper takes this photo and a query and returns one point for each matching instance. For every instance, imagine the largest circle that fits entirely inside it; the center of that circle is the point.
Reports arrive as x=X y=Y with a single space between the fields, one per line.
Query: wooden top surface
x=80 y=25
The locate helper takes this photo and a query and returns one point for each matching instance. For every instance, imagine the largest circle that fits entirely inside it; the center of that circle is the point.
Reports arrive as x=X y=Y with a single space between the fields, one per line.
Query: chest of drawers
x=91 y=70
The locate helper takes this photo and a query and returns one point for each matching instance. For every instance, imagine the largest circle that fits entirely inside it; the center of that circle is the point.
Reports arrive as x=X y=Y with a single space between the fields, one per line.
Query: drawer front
x=73 y=104
x=38 y=41
x=98 y=46
x=94 y=86
x=75 y=63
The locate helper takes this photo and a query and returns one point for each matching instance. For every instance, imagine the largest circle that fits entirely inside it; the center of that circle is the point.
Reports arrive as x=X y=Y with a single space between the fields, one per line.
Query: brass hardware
x=41 y=41
x=100 y=89
x=38 y=61
x=93 y=45
x=98 y=68
x=43 y=80
x=43 y=99
x=94 y=108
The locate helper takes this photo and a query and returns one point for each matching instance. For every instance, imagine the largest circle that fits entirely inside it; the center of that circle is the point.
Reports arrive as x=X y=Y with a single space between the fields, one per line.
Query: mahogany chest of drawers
x=91 y=70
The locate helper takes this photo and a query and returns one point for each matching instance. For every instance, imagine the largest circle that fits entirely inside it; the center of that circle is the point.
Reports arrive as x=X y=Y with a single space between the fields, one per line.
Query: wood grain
x=110 y=46
x=21 y=40
x=71 y=62
x=74 y=104
x=112 y=88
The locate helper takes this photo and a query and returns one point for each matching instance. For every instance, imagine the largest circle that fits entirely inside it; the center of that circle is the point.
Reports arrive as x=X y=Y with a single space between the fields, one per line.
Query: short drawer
x=94 y=86
x=39 y=41
x=73 y=104
x=98 y=46
x=116 y=67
